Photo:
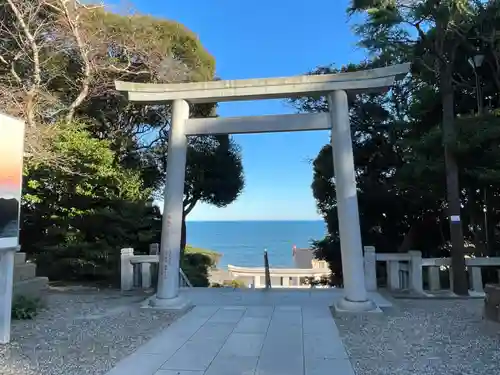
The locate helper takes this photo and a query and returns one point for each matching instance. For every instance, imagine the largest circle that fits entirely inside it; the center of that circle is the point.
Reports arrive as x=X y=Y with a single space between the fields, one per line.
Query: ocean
x=242 y=243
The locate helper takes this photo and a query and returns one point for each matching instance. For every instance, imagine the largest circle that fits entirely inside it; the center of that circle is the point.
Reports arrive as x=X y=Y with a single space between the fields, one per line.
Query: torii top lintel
x=265 y=88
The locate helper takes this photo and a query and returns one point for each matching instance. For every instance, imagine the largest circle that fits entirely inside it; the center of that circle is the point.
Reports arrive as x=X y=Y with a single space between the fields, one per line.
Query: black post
x=485 y=211
x=266 y=266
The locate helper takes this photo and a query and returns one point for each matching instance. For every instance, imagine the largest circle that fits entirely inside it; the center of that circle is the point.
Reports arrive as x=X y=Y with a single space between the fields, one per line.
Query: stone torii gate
x=334 y=86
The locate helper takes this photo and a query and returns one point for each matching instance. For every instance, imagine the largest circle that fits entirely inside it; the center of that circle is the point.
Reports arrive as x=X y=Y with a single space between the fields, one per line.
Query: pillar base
x=344 y=306
x=177 y=303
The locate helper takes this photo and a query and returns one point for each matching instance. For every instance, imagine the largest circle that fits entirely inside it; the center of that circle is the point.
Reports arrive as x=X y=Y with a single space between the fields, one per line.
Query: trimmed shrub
x=25 y=308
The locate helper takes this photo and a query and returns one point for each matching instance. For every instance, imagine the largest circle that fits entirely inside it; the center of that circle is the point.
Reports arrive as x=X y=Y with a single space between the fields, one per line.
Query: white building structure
x=335 y=86
x=304 y=258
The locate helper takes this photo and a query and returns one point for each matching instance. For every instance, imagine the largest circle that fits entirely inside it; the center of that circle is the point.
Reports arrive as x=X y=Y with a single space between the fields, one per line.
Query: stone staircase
x=26 y=283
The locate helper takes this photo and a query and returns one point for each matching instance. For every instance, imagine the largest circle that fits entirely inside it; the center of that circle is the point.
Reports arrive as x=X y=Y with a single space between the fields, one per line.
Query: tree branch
x=83 y=52
x=32 y=92
x=189 y=205
x=421 y=33
x=13 y=70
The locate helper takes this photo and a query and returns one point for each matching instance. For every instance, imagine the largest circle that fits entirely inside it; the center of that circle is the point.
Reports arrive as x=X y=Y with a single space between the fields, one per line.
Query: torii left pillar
x=167 y=295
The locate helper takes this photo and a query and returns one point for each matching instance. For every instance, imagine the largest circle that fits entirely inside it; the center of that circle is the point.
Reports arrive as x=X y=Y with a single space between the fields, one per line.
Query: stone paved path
x=248 y=332
x=244 y=340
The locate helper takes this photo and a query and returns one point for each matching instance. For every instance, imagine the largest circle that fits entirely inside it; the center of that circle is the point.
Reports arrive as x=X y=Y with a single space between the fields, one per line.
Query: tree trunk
x=187 y=208
x=487 y=247
x=479 y=248
x=408 y=240
x=460 y=285
x=474 y=224
x=183 y=235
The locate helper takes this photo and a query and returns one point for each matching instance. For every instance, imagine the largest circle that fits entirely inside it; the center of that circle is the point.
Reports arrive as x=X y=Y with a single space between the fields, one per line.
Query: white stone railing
x=405 y=270
x=473 y=265
x=135 y=270
x=290 y=277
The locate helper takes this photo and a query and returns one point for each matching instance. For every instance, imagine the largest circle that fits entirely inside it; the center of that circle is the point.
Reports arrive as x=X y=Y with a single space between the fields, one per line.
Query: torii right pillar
x=355 y=298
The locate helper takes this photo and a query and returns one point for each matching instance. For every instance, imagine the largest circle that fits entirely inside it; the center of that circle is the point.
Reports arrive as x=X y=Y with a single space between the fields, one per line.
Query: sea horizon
x=242 y=242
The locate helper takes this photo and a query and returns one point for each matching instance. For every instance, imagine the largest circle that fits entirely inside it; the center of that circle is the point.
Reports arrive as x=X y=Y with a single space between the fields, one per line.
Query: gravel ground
x=421 y=337
x=80 y=332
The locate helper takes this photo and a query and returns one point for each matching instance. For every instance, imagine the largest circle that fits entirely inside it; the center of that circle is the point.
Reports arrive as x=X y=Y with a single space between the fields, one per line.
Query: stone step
x=19 y=258
x=33 y=288
x=24 y=271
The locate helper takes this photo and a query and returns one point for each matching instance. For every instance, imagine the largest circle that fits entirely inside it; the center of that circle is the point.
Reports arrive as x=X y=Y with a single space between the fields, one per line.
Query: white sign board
x=11 y=167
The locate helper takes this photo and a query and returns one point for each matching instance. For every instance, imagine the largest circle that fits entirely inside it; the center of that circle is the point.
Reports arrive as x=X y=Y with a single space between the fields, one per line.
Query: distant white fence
x=288 y=277
x=135 y=270
x=405 y=270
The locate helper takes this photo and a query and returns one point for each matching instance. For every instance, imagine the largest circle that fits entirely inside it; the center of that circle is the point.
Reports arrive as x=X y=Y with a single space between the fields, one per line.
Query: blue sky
x=267 y=38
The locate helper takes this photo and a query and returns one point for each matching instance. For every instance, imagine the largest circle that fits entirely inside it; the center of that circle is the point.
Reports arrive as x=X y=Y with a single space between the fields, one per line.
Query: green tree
x=439 y=27
x=77 y=217
x=70 y=77
x=397 y=146
x=400 y=169
x=387 y=212
x=478 y=158
x=214 y=172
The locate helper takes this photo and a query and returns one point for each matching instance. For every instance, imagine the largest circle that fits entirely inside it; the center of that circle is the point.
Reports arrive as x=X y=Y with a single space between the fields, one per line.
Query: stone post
x=404 y=271
x=256 y=281
x=6 y=284
x=393 y=275
x=434 y=279
x=286 y=281
x=146 y=275
x=355 y=297
x=126 y=269
x=416 y=282
x=370 y=268
x=477 y=279
x=167 y=295
x=154 y=249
